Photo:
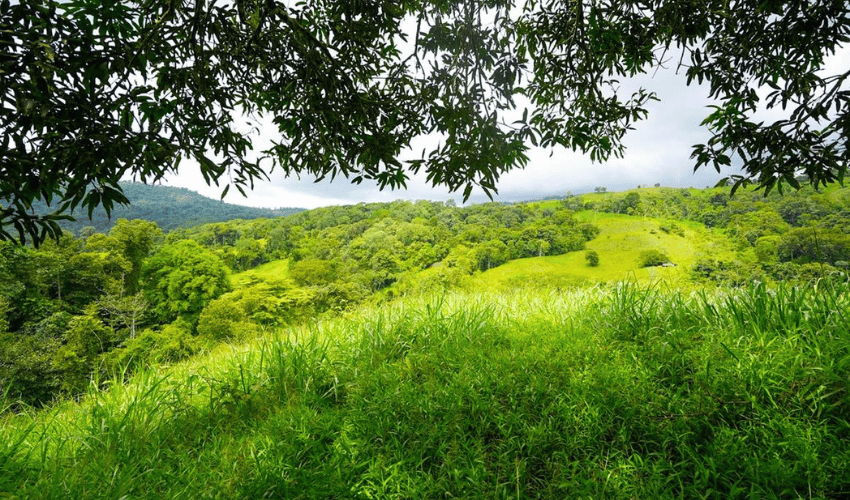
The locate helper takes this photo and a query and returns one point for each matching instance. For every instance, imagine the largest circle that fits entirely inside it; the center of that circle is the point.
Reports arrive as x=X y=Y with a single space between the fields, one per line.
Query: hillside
x=616 y=392
x=148 y=297
x=170 y=207
x=425 y=350
x=620 y=243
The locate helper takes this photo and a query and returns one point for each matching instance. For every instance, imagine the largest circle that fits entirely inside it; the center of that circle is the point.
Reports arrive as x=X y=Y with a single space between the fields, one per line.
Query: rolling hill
x=621 y=241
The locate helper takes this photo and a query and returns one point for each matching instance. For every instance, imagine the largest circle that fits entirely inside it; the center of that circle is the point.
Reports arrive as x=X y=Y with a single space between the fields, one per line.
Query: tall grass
x=617 y=392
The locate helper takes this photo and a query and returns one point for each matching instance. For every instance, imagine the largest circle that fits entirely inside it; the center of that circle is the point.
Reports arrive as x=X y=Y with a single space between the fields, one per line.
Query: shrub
x=649 y=258
x=314 y=272
x=766 y=249
x=339 y=296
x=27 y=370
x=589 y=231
x=729 y=273
x=592 y=258
x=85 y=339
x=261 y=303
x=173 y=343
x=221 y=320
x=672 y=228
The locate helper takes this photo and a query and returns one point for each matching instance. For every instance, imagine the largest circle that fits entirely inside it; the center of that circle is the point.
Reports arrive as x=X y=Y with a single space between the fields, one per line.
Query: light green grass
x=621 y=240
x=608 y=392
x=270 y=271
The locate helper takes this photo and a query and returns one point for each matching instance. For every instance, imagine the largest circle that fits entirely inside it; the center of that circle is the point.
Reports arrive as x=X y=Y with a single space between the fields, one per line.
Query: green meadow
x=622 y=391
x=621 y=241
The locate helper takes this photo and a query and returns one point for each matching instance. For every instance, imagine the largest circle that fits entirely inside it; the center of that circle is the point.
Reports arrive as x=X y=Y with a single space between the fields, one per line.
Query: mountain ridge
x=170 y=207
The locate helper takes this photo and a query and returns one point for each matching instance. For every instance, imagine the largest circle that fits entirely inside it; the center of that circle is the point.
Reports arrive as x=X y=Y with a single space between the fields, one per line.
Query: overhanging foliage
x=94 y=91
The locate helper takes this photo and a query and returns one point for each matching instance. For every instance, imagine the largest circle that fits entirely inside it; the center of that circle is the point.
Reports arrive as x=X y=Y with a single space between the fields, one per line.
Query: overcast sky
x=658 y=152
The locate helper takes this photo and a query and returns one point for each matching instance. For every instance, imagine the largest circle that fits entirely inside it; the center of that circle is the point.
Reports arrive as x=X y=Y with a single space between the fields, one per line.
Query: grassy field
x=619 y=244
x=606 y=392
x=269 y=271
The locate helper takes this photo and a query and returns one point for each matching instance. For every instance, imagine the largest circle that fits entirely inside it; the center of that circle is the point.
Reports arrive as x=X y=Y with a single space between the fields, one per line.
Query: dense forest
x=169 y=207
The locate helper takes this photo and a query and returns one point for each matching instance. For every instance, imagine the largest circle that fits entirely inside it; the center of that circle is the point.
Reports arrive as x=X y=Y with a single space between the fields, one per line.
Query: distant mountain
x=170 y=207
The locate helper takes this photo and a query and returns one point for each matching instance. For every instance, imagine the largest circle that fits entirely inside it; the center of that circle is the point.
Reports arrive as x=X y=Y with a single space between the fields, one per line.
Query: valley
x=423 y=350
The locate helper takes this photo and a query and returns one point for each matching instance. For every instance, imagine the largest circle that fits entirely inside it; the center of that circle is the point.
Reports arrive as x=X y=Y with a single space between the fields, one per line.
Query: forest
x=168 y=207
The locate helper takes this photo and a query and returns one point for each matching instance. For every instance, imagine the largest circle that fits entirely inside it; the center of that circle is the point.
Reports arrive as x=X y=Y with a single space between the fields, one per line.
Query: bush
x=672 y=228
x=86 y=338
x=444 y=278
x=649 y=258
x=766 y=249
x=27 y=371
x=261 y=303
x=173 y=343
x=734 y=273
x=589 y=231
x=315 y=272
x=809 y=272
x=222 y=319
x=592 y=258
x=339 y=296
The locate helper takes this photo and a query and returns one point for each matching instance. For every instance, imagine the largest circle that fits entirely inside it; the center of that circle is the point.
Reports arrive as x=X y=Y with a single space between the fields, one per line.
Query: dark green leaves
x=92 y=91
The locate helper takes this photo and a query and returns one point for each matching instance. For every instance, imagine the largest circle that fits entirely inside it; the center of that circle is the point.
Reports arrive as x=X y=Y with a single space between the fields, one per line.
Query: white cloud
x=658 y=152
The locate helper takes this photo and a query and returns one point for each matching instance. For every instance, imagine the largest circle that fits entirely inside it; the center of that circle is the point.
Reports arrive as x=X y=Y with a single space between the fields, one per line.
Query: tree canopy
x=94 y=91
x=181 y=278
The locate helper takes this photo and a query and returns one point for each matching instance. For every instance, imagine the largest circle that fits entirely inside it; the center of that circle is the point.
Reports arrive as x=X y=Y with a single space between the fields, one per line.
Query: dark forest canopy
x=94 y=91
x=169 y=207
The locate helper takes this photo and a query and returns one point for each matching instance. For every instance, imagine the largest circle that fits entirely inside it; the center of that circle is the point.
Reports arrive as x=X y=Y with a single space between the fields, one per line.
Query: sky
x=658 y=151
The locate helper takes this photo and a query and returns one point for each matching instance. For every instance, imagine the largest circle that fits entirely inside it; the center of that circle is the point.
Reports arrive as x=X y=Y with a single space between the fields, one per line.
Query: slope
x=617 y=393
x=619 y=244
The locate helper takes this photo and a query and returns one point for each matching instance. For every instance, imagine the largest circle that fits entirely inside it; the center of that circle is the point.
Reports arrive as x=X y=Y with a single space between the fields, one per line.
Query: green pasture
x=270 y=271
x=619 y=244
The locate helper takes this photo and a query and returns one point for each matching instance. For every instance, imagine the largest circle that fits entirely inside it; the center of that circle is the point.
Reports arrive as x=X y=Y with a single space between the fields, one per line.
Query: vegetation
x=168 y=207
x=612 y=392
x=81 y=307
x=98 y=91
x=424 y=350
x=649 y=258
x=166 y=297
x=799 y=235
x=84 y=306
